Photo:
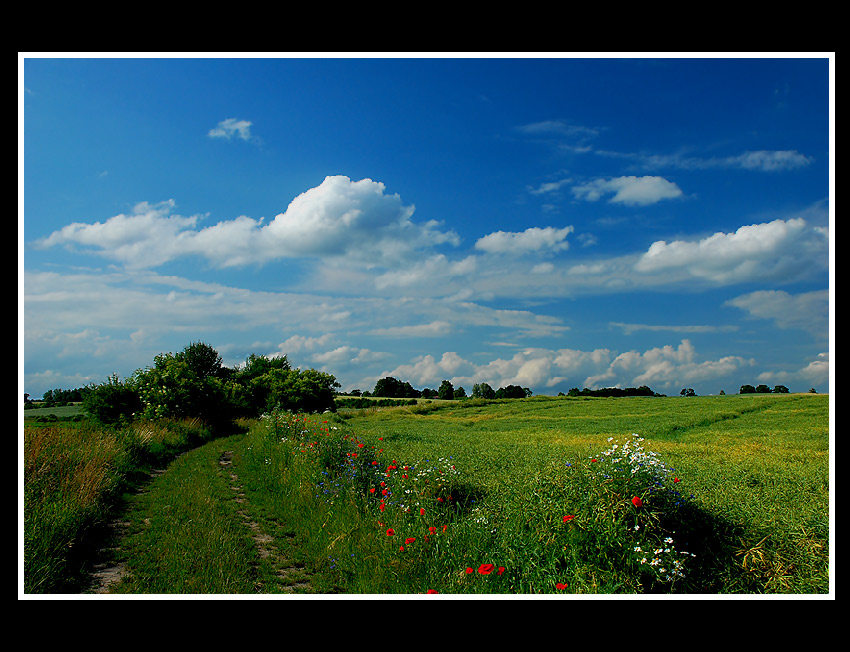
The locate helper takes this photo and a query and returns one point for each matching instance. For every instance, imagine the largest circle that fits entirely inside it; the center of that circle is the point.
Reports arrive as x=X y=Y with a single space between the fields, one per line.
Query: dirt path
x=108 y=570
x=292 y=574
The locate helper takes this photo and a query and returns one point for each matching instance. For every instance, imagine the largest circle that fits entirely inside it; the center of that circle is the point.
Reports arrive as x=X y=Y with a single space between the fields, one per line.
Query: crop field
x=564 y=496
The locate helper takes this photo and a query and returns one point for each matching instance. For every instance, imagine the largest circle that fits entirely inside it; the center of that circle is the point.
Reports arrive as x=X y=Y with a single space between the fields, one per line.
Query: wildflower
x=431 y=591
x=390 y=532
x=560 y=586
x=422 y=511
x=486 y=569
x=501 y=570
x=468 y=570
x=432 y=530
x=637 y=502
x=568 y=518
x=410 y=540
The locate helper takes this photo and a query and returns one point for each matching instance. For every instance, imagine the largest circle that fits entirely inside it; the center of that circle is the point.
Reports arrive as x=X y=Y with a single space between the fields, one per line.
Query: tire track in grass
x=106 y=568
x=292 y=574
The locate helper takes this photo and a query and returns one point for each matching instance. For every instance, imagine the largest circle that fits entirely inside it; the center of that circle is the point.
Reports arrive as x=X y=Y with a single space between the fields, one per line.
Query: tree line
x=389 y=387
x=195 y=383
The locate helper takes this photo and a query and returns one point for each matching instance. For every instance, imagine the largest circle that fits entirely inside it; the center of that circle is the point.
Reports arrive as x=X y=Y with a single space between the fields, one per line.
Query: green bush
x=112 y=402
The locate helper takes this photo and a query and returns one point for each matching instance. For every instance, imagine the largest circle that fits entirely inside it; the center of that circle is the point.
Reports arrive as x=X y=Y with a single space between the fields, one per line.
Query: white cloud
x=661 y=368
x=808 y=311
x=639 y=191
x=230 y=128
x=664 y=367
x=339 y=219
x=532 y=240
x=147 y=237
x=776 y=250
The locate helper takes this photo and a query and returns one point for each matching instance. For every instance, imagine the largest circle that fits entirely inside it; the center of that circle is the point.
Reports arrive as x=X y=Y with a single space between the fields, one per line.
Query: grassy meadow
x=567 y=495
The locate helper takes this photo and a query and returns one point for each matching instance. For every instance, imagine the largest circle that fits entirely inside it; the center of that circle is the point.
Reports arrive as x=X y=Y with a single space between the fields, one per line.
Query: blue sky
x=547 y=222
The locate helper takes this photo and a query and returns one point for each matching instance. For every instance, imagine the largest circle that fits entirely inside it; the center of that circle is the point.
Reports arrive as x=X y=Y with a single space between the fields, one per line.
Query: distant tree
x=446 y=391
x=813 y=391
x=483 y=390
x=428 y=393
x=780 y=389
x=722 y=393
x=460 y=392
x=688 y=392
x=511 y=391
x=388 y=387
x=747 y=389
x=763 y=389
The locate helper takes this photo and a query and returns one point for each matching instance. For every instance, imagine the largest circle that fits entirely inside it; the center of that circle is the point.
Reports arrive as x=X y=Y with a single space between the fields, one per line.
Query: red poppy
x=560 y=586
x=637 y=502
x=431 y=591
x=468 y=571
x=593 y=460
x=568 y=518
x=410 y=540
x=675 y=479
x=501 y=570
x=390 y=532
x=372 y=490
x=432 y=530
x=422 y=511
x=486 y=569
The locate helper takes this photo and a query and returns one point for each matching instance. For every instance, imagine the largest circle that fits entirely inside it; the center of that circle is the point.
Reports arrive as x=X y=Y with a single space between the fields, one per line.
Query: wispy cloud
x=759 y=160
x=808 y=311
x=628 y=329
x=230 y=128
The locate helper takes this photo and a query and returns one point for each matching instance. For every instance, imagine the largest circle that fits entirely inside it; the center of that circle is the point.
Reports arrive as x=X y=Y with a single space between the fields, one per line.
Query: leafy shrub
x=112 y=402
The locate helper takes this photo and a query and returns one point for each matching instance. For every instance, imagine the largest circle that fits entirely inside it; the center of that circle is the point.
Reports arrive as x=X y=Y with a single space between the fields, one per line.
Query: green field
x=523 y=496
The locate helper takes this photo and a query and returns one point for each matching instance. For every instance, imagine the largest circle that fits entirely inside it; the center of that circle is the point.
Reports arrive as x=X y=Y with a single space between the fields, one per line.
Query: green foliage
x=112 y=402
x=184 y=385
x=293 y=389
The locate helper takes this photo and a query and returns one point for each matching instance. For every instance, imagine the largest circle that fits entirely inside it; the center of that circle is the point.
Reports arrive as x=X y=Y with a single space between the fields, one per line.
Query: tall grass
x=74 y=477
x=507 y=497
